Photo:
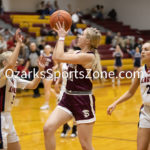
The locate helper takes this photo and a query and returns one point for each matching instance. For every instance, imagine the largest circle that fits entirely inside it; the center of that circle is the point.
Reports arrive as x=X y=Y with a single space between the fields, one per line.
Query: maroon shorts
x=81 y=107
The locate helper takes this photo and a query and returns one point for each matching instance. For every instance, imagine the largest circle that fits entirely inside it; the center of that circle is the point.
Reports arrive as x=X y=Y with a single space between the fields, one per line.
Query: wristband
x=61 y=38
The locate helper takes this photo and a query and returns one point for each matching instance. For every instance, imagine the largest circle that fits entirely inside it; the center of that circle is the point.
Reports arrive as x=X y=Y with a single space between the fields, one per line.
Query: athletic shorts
x=7 y=130
x=144 y=117
x=81 y=107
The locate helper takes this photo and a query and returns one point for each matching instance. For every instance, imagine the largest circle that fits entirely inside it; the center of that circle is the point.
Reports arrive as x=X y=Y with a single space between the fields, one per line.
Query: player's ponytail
x=94 y=35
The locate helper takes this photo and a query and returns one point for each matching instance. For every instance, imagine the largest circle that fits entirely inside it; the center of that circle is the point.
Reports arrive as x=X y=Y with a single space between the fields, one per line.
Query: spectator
x=42 y=45
x=27 y=41
x=112 y=14
x=109 y=38
x=49 y=9
x=56 y=5
x=118 y=40
x=41 y=9
x=46 y=31
x=128 y=47
x=69 y=8
x=10 y=43
x=24 y=52
x=3 y=44
x=6 y=33
x=75 y=20
x=1 y=7
x=33 y=66
x=79 y=12
x=139 y=44
x=21 y=67
x=100 y=12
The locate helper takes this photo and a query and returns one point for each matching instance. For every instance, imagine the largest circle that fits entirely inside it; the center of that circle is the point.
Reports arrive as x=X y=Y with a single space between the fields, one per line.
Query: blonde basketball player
x=143 y=136
x=77 y=101
x=8 y=85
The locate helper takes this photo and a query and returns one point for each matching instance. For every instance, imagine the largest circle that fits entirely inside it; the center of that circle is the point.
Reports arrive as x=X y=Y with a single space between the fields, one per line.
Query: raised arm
x=60 y=56
x=125 y=96
x=12 y=60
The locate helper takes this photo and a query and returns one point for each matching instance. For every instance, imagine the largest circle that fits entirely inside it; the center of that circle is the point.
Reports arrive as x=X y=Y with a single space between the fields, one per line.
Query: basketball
x=61 y=16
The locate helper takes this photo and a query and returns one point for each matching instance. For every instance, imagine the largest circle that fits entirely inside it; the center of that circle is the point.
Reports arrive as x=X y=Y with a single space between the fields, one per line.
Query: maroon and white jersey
x=49 y=61
x=145 y=85
x=79 y=78
x=8 y=88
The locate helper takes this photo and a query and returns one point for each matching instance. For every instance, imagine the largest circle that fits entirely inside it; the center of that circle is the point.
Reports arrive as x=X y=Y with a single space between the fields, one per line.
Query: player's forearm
x=35 y=82
x=124 y=98
x=59 y=50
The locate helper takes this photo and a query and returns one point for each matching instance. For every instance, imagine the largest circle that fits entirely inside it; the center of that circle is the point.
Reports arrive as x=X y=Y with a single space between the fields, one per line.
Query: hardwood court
x=117 y=132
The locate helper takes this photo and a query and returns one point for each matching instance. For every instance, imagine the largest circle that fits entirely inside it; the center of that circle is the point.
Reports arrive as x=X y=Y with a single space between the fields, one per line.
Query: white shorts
x=144 y=116
x=7 y=130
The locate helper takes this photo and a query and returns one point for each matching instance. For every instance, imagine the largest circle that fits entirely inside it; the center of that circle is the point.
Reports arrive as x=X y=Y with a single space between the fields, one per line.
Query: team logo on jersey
x=12 y=90
x=86 y=113
x=145 y=80
x=12 y=81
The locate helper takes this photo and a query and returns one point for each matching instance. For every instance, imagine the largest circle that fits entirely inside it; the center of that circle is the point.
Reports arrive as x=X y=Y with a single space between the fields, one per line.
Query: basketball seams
x=66 y=22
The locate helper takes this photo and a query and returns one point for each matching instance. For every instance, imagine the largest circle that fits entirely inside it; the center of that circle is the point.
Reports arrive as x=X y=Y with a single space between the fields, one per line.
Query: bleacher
x=32 y=24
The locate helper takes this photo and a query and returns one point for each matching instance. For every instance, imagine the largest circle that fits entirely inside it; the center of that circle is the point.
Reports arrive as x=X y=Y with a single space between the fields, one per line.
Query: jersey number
x=148 y=86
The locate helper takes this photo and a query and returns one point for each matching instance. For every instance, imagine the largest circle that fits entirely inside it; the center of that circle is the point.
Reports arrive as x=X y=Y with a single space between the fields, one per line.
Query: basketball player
x=143 y=137
x=8 y=137
x=118 y=62
x=77 y=101
x=137 y=59
x=49 y=68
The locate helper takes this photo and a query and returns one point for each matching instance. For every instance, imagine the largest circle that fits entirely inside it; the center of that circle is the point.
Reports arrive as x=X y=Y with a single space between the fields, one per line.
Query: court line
x=116 y=122
x=114 y=138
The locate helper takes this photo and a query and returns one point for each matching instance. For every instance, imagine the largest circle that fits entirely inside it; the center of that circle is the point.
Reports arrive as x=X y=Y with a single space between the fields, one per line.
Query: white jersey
x=145 y=85
x=8 y=90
